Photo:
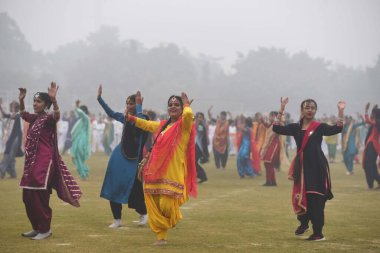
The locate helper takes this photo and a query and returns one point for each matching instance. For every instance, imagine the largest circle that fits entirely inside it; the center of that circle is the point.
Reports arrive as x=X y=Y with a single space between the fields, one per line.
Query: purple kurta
x=44 y=168
x=38 y=152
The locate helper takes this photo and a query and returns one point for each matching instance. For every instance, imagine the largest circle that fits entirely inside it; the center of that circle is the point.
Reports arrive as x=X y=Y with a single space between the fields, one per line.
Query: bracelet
x=281 y=113
x=56 y=110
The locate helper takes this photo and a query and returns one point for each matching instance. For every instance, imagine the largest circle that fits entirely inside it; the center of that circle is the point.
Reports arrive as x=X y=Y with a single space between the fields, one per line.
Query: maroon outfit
x=43 y=171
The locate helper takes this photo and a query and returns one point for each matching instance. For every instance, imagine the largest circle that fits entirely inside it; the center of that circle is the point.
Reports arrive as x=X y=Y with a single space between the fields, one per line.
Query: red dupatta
x=163 y=151
x=299 y=200
x=374 y=137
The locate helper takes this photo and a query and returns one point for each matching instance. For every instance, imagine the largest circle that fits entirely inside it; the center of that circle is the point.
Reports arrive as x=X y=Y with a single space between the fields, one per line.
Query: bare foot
x=160 y=243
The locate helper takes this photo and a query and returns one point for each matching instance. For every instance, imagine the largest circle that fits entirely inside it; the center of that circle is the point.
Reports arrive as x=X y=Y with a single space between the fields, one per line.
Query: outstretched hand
x=185 y=99
x=52 y=90
x=100 y=90
x=139 y=98
x=367 y=107
x=284 y=101
x=341 y=105
x=22 y=94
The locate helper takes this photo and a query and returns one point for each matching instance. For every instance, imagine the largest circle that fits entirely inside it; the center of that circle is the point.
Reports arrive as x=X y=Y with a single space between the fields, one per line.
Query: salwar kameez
x=310 y=172
x=43 y=171
x=121 y=185
x=169 y=176
x=81 y=146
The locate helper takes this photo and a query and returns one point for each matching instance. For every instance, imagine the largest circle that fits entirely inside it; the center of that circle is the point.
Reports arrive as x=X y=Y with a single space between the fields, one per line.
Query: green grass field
x=229 y=215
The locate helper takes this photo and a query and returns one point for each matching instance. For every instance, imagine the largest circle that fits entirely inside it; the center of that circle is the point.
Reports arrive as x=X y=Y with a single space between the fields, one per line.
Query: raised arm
x=368 y=120
x=328 y=130
x=52 y=92
x=115 y=115
x=21 y=98
x=78 y=111
x=187 y=114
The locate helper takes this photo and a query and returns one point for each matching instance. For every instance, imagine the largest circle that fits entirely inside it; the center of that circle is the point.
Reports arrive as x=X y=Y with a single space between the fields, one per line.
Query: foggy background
x=239 y=56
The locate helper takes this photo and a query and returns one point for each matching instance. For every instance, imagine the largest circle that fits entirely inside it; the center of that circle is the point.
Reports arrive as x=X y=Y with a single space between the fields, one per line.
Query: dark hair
x=273 y=113
x=199 y=113
x=248 y=122
x=84 y=109
x=44 y=97
x=309 y=100
x=177 y=97
x=132 y=98
x=223 y=113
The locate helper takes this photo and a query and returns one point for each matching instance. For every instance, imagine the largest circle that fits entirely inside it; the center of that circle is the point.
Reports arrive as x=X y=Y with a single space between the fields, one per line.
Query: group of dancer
x=158 y=178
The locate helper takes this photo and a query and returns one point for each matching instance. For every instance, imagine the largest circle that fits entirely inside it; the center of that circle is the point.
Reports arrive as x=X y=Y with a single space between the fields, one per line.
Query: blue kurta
x=243 y=160
x=121 y=172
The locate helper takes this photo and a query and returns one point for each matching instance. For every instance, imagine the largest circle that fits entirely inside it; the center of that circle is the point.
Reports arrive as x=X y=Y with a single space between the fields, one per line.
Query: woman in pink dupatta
x=44 y=168
x=309 y=170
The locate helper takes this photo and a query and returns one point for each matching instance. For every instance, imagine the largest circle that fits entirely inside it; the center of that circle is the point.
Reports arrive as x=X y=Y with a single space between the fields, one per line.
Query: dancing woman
x=44 y=168
x=372 y=147
x=121 y=185
x=309 y=170
x=170 y=173
x=81 y=135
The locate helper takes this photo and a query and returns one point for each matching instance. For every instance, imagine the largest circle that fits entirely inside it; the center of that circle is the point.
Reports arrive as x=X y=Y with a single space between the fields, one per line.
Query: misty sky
x=343 y=31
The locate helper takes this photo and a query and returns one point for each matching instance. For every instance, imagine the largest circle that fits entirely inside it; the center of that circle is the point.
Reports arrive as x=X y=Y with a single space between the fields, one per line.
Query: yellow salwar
x=164 y=196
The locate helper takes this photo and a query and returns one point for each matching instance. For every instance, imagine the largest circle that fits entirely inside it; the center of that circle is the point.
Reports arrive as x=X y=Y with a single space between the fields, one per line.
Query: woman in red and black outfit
x=372 y=147
x=309 y=169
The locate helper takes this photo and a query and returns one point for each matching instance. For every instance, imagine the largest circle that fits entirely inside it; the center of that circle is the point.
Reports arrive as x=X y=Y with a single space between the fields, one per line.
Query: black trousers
x=220 y=159
x=201 y=174
x=315 y=213
x=370 y=166
x=136 y=201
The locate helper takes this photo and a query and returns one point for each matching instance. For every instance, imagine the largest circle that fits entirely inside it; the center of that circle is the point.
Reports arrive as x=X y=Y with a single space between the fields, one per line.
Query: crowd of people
x=156 y=161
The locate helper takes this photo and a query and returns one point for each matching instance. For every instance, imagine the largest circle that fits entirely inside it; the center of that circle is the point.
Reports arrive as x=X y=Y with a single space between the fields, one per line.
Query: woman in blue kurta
x=244 y=144
x=81 y=135
x=120 y=184
x=350 y=143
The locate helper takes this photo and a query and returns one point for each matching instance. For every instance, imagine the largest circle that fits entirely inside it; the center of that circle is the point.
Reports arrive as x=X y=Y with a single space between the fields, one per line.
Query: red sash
x=299 y=200
x=163 y=151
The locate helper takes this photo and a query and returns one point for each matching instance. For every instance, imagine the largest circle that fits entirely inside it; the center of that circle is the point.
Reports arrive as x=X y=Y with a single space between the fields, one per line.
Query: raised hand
x=100 y=89
x=185 y=99
x=77 y=103
x=341 y=105
x=367 y=107
x=139 y=98
x=284 y=101
x=22 y=94
x=52 y=90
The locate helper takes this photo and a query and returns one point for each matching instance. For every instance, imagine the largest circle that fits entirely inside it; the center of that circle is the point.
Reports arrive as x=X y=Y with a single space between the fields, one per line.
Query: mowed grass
x=229 y=215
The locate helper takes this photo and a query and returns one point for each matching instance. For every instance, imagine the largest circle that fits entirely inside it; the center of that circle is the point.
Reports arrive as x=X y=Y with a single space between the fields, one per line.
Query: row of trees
x=261 y=76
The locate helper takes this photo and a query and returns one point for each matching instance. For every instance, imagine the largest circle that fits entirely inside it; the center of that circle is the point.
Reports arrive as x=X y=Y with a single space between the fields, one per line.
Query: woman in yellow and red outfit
x=170 y=173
